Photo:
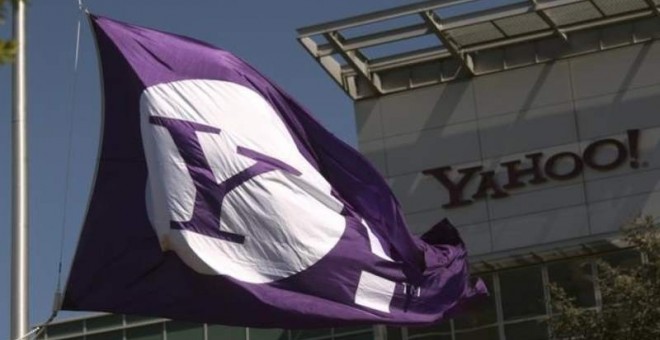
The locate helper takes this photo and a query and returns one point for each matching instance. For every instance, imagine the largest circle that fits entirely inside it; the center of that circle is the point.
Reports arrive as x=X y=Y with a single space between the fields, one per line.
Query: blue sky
x=261 y=32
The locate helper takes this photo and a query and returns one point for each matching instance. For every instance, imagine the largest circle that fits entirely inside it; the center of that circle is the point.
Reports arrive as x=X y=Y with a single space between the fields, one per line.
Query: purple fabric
x=120 y=268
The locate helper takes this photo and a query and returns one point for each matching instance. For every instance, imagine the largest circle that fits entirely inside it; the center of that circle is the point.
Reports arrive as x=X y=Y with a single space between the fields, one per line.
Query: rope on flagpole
x=82 y=7
x=69 y=148
x=28 y=334
x=57 y=302
x=38 y=330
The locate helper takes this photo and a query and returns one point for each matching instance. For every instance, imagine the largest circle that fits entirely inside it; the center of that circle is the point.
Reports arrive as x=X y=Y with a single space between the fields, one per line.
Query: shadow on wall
x=554 y=107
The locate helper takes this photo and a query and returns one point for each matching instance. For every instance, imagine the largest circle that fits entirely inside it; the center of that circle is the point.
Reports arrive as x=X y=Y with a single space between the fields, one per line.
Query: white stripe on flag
x=374 y=243
x=374 y=292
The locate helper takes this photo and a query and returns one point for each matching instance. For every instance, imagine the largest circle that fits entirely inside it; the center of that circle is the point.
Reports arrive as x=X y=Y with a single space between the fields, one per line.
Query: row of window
x=118 y=327
x=519 y=303
x=516 y=309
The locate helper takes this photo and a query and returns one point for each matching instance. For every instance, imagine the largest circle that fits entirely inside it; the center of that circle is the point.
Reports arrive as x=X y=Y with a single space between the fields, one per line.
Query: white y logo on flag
x=228 y=190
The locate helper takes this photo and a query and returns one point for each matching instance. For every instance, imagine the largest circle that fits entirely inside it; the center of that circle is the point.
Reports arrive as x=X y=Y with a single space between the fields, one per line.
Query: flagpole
x=19 y=266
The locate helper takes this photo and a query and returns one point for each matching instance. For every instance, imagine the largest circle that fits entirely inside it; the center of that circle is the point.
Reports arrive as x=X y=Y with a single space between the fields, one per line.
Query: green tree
x=630 y=295
x=7 y=47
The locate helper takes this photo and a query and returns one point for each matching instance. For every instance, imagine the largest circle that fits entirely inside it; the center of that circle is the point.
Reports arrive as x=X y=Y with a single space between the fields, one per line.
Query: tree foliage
x=630 y=295
x=7 y=47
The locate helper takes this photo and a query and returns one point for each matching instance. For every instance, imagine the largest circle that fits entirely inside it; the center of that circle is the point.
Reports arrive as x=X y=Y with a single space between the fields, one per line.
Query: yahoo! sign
x=541 y=170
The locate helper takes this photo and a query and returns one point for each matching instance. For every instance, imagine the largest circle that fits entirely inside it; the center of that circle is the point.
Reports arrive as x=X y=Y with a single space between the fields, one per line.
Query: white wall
x=560 y=106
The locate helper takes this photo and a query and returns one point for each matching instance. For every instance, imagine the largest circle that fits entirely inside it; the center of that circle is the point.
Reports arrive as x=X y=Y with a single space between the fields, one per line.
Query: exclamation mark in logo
x=633 y=144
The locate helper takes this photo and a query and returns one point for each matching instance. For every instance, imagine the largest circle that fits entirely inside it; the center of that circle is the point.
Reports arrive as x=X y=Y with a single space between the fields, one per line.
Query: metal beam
x=653 y=6
x=379 y=38
x=328 y=63
x=432 y=21
x=492 y=14
x=377 y=16
x=478 y=16
x=434 y=53
x=354 y=59
x=600 y=10
x=567 y=29
x=412 y=57
x=413 y=31
x=359 y=69
x=548 y=20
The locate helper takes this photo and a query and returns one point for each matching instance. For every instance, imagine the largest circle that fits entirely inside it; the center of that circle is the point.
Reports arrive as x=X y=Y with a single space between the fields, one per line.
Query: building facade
x=531 y=125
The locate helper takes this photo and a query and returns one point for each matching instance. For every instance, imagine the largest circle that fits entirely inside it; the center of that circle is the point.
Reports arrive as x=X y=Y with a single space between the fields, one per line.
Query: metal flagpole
x=19 y=266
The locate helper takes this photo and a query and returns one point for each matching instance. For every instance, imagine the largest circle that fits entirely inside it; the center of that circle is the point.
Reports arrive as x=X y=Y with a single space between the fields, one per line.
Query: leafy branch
x=630 y=296
x=7 y=46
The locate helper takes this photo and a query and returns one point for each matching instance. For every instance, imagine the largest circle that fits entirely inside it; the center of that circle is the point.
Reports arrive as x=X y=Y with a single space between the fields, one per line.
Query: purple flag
x=219 y=199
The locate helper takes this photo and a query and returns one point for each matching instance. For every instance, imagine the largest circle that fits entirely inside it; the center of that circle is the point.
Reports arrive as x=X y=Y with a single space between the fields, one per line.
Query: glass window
x=73 y=327
x=576 y=278
x=623 y=259
x=431 y=336
x=177 y=330
x=219 y=332
x=300 y=334
x=352 y=329
x=358 y=336
x=439 y=331
x=355 y=330
x=522 y=293
x=133 y=319
x=114 y=335
x=394 y=333
x=102 y=322
x=151 y=332
x=268 y=334
x=528 y=330
x=481 y=313
x=489 y=333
